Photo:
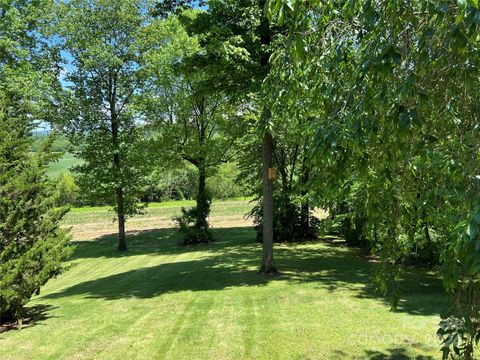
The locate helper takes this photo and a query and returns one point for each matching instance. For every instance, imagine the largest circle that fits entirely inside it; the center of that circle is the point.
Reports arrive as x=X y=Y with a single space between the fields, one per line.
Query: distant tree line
x=168 y=185
x=177 y=182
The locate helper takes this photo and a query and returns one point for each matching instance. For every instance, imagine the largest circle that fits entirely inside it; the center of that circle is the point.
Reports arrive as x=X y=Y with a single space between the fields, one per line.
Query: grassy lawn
x=163 y=301
x=90 y=223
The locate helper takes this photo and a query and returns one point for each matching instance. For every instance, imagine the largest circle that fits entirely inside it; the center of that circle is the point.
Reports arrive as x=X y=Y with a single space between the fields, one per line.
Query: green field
x=90 y=223
x=164 y=301
x=166 y=210
x=64 y=164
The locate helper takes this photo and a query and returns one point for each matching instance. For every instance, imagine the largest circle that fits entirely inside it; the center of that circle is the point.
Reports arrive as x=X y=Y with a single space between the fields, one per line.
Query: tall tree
x=104 y=41
x=192 y=122
x=236 y=40
x=265 y=33
x=32 y=245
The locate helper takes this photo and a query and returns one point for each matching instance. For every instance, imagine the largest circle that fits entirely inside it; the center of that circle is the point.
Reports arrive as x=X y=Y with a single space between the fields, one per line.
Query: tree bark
x=267 y=154
x=203 y=206
x=122 y=243
x=203 y=201
x=202 y=180
x=117 y=167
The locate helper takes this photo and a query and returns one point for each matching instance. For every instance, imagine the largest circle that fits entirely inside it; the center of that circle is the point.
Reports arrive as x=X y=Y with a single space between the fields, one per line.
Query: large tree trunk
x=267 y=155
x=203 y=202
x=122 y=244
x=202 y=180
x=117 y=167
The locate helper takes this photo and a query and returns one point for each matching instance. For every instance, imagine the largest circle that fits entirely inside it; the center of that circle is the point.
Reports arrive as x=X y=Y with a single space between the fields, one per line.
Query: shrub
x=192 y=234
x=193 y=224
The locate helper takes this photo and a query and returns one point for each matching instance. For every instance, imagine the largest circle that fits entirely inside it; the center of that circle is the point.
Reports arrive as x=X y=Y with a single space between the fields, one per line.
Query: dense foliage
x=390 y=88
x=32 y=246
x=191 y=121
x=235 y=42
x=105 y=43
x=293 y=217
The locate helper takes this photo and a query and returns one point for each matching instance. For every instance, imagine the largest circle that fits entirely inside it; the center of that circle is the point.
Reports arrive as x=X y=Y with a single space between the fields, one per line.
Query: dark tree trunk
x=202 y=180
x=267 y=152
x=122 y=243
x=284 y=232
x=268 y=266
x=203 y=201
x=305 y=218
x=305 y=208
x=117 y=167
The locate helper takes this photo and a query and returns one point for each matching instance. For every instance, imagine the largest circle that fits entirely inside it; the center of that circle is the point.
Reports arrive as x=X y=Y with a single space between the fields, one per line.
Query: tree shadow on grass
x=157 y=241
x=337 y=268
x=233 y=261
x=32 y=315
x=400 y=353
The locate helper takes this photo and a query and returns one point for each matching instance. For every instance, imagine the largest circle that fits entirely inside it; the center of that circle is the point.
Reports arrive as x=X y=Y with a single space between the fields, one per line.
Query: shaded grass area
x=163 y=301
x=30 y=317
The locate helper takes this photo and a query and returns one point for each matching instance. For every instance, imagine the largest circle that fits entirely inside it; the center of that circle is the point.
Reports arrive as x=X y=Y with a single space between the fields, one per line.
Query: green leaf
x=281 y=16
x=300 y=48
